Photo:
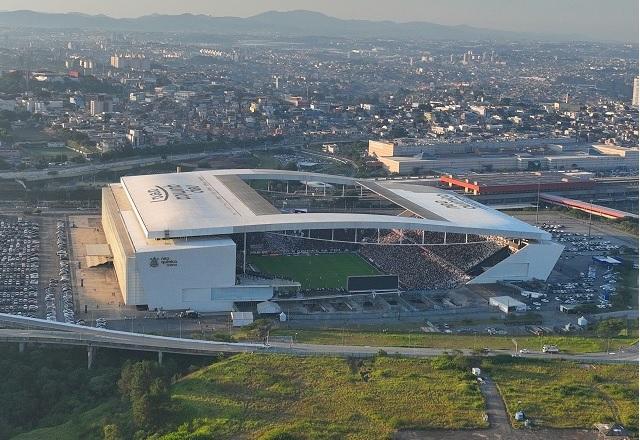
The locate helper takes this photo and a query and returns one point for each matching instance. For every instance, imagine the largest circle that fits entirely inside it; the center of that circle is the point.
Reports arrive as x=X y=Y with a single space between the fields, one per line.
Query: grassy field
x=87 y=425
x=46 y=152
x=568 y=395
x=567 y=344
x=325 y=398
x=314 y=271
x=272 y=397
x=269 y=397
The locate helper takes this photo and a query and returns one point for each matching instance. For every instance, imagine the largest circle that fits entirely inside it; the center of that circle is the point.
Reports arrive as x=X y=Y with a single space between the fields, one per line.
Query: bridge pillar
x=91 y=352
x=21 y=346
x=159 y=358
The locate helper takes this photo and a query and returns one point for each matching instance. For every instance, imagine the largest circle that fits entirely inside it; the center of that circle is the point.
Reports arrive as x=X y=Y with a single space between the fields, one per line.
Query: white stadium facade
x=180 y=241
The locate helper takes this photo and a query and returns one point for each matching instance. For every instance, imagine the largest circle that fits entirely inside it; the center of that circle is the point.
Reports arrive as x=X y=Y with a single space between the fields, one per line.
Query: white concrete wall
x=200 y=278
x=165 y=273
x=533 y=262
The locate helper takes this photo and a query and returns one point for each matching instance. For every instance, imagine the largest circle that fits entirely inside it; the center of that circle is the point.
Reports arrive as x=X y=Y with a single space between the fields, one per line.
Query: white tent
x=268 y=308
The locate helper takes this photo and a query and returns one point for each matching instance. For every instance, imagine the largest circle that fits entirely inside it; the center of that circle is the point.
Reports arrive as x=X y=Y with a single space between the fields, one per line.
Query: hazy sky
x=603 y=19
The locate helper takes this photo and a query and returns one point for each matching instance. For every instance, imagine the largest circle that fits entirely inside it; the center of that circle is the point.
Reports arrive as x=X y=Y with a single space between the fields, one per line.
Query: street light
x=538 y=203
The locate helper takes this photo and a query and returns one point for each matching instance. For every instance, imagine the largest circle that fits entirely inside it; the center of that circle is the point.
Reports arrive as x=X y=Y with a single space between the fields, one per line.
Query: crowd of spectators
x=430 y=267
x=280 y=244
x=415 y=266
x=467 y=256
x=433 y=266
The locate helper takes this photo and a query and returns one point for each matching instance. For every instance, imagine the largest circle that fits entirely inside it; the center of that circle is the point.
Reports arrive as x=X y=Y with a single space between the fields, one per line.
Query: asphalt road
x=79 y=170
x=57 y=333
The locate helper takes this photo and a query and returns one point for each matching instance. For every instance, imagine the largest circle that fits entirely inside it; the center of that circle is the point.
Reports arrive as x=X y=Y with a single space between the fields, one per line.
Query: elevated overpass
x=36 y=331
x=591 y=208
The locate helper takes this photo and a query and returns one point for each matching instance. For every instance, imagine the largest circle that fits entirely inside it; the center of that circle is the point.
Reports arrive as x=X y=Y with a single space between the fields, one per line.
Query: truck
x=550 y=349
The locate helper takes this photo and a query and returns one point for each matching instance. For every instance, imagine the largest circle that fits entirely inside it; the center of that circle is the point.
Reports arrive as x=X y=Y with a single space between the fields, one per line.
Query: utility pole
x=538 y=203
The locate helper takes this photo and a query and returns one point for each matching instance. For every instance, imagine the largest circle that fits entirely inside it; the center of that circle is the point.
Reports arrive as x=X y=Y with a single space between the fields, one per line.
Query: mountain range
x=291 y=23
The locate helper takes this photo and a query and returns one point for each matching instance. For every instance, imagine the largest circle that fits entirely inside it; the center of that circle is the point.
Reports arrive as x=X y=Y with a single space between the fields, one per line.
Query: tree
x=144 y=385
x=111 y=432
x=609 y=328
x=260 y=328
x=291 y=166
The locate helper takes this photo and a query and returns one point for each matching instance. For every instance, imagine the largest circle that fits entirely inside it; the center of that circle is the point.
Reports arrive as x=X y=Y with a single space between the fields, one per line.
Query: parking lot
x=19 y=266
x=55 y=273
x=66 y=307
x=573 y=225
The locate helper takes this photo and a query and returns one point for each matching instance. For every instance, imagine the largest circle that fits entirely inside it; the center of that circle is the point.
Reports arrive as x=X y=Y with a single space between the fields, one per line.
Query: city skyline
x=589 y=18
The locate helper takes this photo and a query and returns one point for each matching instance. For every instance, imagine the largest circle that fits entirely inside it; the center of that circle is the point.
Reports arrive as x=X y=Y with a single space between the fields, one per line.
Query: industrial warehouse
x=209 y=240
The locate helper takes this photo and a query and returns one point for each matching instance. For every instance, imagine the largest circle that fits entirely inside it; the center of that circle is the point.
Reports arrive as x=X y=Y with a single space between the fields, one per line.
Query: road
x=40 y=331
x=365 y=351
x=79 y=170
x=132 y=341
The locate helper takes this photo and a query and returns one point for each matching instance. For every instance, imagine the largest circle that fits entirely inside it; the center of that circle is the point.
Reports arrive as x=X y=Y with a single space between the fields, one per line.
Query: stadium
x=211 y=240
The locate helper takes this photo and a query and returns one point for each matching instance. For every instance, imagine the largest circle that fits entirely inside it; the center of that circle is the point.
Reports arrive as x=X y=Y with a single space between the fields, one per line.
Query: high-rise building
x=133 y=62
x=100 y=104
x=636 y=92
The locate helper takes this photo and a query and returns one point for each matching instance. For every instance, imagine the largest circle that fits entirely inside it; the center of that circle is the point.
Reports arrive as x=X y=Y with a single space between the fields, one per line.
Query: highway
x=132 y=341
x=92 y=168
x=47 y=332
x=79 y=170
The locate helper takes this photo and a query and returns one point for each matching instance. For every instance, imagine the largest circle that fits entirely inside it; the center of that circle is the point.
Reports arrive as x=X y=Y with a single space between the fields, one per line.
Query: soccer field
x=314 y=271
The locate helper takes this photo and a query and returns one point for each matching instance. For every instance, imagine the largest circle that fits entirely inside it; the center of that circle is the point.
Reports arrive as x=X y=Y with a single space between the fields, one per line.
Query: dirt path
x=499 y=421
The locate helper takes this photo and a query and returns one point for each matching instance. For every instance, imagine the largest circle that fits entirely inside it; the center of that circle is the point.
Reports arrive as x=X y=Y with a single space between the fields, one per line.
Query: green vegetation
x=85 y=425
x=15 y=82
x=272 y=397
x=269 y=396
x=43 y=387
x=6 y=118
x=144 y=386
x=53 y=154
x=627 y=292
x=565 y=394
x=315 y=271
x=567 y=344
x=282 y=397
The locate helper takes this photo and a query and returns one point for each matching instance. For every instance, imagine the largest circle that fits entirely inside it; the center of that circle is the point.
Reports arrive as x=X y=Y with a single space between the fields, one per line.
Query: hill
x=273 y=23
x=271 y=396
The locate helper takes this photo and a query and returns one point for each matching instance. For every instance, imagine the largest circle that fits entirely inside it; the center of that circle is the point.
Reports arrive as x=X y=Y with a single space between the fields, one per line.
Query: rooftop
x=220 y=202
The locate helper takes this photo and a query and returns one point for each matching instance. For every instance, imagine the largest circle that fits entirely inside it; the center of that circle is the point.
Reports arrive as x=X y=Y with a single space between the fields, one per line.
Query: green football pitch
x=314 y=271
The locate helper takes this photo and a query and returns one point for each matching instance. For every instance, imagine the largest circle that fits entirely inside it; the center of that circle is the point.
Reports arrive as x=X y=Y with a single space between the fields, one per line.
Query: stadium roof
x=218 y=202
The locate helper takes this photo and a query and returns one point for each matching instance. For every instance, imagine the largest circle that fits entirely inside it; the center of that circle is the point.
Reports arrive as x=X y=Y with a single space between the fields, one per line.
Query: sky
x=602 y=19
